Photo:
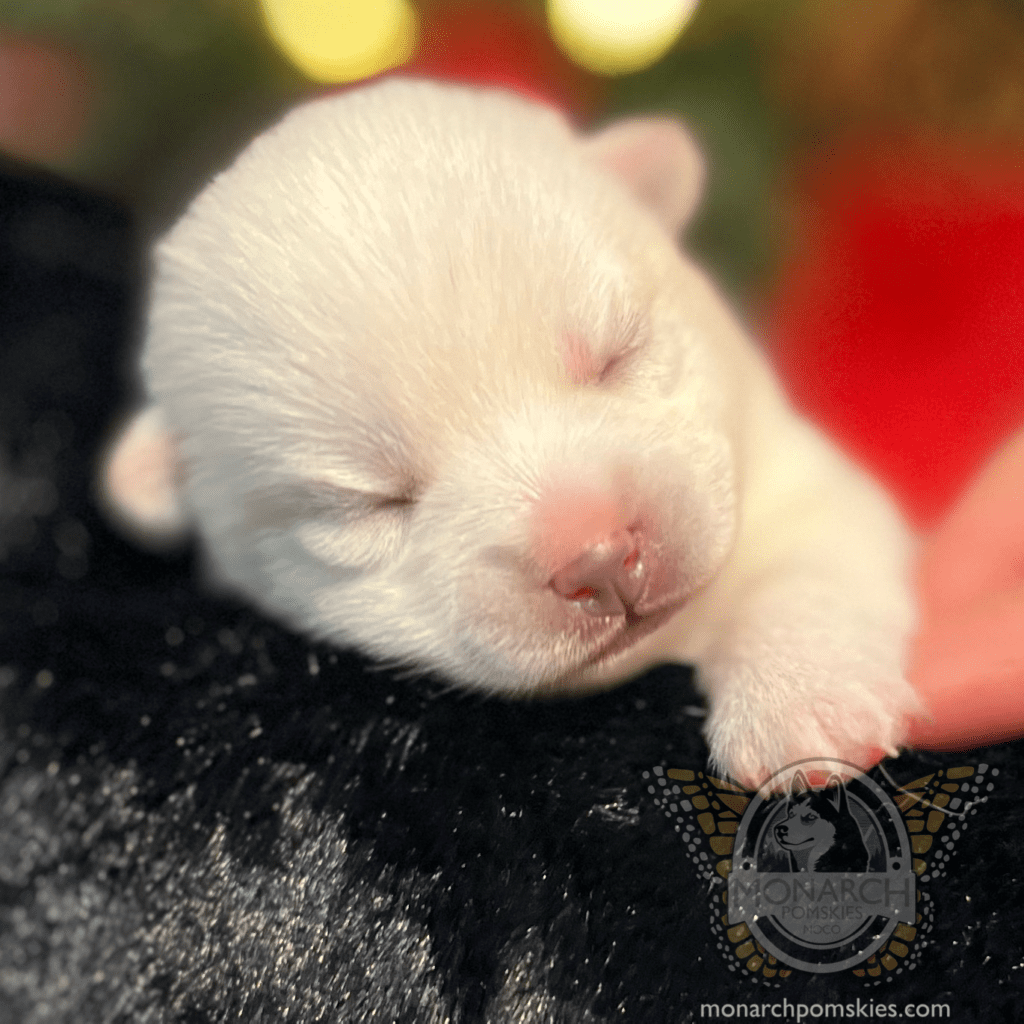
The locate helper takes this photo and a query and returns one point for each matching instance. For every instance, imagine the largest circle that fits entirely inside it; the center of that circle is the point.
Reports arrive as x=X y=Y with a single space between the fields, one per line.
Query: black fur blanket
x=204 y=818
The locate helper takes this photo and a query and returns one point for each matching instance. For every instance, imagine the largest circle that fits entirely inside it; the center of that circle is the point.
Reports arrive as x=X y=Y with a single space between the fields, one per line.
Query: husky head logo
x=819 y=831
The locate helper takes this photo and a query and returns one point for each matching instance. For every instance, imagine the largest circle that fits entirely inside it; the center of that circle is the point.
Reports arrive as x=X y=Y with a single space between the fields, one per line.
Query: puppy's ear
x=139 y=482
x=658 y=161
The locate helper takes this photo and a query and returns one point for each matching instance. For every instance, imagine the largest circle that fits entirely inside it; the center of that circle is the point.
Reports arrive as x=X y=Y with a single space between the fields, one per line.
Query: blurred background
x=865 y=201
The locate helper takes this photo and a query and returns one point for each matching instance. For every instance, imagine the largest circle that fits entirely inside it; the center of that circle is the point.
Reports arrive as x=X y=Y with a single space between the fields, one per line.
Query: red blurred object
x=45 y=99
x=899 y=326
x=496 y=44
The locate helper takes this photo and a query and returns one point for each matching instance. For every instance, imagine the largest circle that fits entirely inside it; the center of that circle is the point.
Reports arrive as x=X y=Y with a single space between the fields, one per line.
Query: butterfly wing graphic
x=936 y=809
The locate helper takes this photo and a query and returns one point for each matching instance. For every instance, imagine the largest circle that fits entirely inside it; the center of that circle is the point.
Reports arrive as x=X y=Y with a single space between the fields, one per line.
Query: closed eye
x=616 y=367
x=396 y=503
x=359 y=531
x=283 y=505
x=584 y=366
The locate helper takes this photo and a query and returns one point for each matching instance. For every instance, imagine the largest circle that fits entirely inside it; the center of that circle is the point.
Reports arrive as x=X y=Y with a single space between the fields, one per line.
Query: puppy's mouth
x=635 y=628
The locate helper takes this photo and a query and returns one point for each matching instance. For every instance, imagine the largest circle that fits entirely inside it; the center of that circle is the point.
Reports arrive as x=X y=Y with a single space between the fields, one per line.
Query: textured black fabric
x=204 y=818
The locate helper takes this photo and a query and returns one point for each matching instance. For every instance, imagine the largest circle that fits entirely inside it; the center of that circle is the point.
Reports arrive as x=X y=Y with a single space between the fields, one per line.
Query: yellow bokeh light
x=616 y=37
x=342 y=40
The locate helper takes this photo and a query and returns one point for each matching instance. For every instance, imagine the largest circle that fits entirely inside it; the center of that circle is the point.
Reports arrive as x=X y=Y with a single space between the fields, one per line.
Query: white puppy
x=430 y=377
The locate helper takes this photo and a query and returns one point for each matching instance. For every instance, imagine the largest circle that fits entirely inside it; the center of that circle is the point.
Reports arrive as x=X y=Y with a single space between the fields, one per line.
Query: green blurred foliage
x=185 y=82
x=716 y=89
x=166 y=70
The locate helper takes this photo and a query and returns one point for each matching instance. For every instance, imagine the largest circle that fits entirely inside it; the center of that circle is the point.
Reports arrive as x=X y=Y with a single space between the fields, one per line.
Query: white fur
x=354 y=343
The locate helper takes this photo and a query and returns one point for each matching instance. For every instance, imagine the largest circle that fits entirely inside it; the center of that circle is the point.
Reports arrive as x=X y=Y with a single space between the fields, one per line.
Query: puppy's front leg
x=804 y=669
x=805 y=657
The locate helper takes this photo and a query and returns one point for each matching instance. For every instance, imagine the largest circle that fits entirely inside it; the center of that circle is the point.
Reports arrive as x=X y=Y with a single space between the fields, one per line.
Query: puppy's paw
x=806 y=689
x=760 y=726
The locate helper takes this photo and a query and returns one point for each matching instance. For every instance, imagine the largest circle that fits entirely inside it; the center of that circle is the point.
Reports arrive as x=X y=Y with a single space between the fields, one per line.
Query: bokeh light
x=616 y=37
x=342 y=40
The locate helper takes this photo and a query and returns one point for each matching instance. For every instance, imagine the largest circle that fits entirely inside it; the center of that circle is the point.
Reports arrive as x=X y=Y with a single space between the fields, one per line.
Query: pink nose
x=606 y=578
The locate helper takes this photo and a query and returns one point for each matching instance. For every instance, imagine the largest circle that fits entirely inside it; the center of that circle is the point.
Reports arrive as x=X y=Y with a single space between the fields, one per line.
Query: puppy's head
x=441 y=387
